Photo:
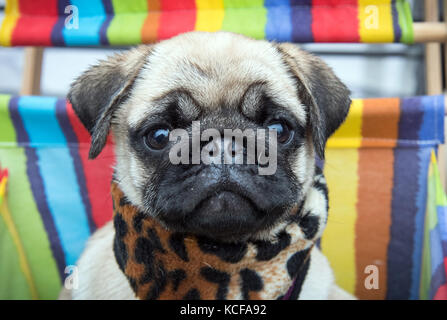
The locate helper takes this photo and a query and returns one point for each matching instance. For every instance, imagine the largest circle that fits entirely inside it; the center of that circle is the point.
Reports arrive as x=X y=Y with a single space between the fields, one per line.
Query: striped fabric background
x=117 y=23
x=56 y=197
x=377 y=167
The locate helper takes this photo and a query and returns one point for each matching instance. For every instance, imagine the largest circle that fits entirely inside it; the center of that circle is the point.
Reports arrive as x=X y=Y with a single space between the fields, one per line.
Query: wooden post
x=433 y=53
x=429 y=32
x=433 y=74
x=32 y=70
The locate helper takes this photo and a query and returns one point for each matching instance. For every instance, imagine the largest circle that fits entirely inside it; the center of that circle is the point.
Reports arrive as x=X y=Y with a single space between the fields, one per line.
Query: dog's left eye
x=282 y=130
x=157 y=139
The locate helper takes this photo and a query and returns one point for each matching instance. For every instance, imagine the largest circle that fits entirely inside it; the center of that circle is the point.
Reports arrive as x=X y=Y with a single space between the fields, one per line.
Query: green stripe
x=26 y=217
x=13 y=282
x=247 y=17
x=29 y=224
x=125 y=28
x=7 y=132
x=405 y=21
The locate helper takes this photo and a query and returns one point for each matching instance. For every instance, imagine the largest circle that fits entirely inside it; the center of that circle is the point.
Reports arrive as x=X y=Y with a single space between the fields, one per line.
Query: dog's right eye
x=284 y=133
x=157 y=139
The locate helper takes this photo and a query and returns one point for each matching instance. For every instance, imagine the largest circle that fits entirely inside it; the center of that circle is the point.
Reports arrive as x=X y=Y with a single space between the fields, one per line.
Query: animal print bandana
x=161 y=264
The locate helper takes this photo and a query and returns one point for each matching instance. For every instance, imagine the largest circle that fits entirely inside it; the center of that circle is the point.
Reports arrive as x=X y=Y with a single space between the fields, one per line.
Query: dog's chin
x=224 y=216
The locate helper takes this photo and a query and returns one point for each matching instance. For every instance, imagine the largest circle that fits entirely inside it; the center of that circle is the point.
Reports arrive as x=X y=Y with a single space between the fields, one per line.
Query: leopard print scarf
x=161 y=264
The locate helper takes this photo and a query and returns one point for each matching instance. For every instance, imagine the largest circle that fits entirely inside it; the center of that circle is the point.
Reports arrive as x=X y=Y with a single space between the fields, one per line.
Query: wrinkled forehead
x=213 y=72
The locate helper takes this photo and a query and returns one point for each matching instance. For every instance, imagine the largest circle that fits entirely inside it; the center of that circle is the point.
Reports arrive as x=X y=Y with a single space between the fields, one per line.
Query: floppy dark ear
x=320 y=90
x=100 y=90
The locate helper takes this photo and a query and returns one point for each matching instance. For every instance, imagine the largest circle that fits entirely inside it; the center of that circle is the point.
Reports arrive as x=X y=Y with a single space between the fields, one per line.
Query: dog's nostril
x=233 y=149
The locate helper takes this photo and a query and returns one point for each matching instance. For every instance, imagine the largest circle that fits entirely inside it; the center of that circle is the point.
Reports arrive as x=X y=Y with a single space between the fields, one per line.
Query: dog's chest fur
x=101 y=278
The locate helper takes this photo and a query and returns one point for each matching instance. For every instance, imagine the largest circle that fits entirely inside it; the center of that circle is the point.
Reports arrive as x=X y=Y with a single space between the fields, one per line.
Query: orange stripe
x=381 y=122
x=149 y=32
x=375 y=194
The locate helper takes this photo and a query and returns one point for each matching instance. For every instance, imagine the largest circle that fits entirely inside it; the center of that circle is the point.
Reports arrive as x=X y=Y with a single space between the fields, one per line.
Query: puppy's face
x=219 y=81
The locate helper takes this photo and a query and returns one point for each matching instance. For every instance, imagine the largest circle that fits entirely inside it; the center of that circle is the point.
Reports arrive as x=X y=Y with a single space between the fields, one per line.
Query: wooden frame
x=32 y=71
x=429 y=31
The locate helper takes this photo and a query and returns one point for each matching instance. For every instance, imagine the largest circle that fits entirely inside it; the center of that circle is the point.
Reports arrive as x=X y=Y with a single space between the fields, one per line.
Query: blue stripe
x=404 y=205
x=301 y=19
x=108 y=7
x=423 y=112
x=419 y=220
x=91 y=18
x=70 y=136
x=57 y=37
x=279 y=24
x=430 y=106
x=433 y=123
x=442 y=223
x=436 y=254
x=440 y=117
x=58 y=174
x=402 y=229
x=396 y=25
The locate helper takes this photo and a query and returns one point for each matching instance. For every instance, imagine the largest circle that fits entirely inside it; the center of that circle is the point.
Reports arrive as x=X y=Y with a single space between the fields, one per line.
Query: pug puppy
x=222 y=80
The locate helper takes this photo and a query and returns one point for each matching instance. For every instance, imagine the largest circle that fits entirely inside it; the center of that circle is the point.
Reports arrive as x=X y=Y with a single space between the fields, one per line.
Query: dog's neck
x=161 y=264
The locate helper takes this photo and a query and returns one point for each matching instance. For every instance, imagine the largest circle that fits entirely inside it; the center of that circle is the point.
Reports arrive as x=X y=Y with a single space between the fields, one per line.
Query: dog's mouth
x=225 y=212
x=233 y=206
x=224 y=202
x=222 y=197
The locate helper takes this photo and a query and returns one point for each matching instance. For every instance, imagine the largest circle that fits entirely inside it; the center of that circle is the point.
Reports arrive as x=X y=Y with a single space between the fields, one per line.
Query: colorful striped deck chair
x=377 y=167
x=387 y=206
x=130 y=22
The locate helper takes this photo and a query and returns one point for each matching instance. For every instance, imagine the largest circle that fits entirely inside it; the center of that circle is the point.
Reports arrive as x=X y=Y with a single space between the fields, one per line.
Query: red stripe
x=98 y=172
x=176 y=17
x=335 y=21
x=36 y=21
x=441 y=294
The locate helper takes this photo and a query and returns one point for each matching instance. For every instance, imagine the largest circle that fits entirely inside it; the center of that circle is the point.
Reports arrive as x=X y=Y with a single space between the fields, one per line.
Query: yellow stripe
x=3 y=182
x=210 y=15
x=340 y=168
x=348 y=134
x=9 y=22
x=376 y=21
x=24 y=264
